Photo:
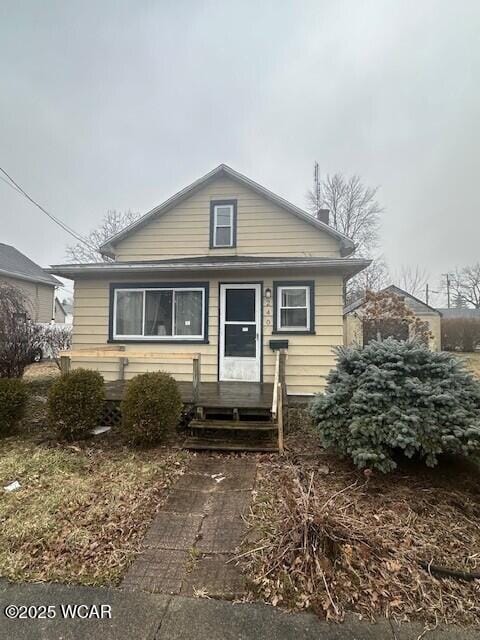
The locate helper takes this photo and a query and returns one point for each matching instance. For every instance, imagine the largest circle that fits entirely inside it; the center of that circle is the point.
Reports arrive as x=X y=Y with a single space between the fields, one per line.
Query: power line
x=16 y=187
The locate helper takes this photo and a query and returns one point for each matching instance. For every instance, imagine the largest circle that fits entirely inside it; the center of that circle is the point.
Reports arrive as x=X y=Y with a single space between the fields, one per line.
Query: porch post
x=196 y=377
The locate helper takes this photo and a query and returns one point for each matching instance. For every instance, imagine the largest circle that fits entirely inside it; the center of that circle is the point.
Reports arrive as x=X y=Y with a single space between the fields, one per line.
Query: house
x=226 y=269
x=353 y=325
x=35 y=284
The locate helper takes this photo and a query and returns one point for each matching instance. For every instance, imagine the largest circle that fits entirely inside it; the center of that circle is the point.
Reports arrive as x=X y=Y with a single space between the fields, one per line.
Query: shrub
x=460 y=334
x=75 y=403
x=395 y=397
x=13 y=399
x=151 y=407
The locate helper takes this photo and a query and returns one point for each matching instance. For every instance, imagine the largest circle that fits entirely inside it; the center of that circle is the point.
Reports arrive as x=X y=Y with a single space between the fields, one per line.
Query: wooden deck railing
x=125 y=356
x=279 y=402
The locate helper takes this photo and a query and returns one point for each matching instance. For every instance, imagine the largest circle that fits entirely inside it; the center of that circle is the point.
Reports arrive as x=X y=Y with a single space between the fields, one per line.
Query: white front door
x=240 y=332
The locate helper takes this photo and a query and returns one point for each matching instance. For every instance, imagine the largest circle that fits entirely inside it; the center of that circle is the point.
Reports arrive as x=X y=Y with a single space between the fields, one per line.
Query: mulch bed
x=325 y=536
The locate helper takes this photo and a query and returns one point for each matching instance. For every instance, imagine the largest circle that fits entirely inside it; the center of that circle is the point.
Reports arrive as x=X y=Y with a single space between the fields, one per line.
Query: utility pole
x=447 y=276
x=317 y=187
x=426 y=293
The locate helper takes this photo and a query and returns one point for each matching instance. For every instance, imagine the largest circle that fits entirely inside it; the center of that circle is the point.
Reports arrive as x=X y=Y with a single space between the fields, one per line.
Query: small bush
x=13 y=400
x=151 y=407
x=460 y=334
x=75 y=403
x=395 y=397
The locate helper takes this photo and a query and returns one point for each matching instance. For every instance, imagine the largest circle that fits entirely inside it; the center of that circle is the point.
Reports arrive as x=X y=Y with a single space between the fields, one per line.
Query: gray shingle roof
x=460 y=313
x=414 y=303
x=15 y=264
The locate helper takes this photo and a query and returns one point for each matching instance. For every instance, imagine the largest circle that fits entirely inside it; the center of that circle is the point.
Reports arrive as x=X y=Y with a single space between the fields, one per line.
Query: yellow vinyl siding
x=39 y=298
x=263 y=229
x=310 y=357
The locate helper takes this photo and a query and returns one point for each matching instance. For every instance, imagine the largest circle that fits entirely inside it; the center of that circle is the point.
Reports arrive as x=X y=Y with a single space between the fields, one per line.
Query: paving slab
x=216 y=576
x=186 y=501
x=220 y=534
x=202 y=619
x=173 y=531
x=229 y=503
x=412 y=631
x=196 y=482
x=157 y=571
x=133 y=615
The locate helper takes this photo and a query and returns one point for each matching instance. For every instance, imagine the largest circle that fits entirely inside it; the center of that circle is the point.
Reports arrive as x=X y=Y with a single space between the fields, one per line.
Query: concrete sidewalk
x=143 y=616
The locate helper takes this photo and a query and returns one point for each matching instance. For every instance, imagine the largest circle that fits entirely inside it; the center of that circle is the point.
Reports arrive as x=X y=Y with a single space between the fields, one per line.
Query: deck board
x=224 y=395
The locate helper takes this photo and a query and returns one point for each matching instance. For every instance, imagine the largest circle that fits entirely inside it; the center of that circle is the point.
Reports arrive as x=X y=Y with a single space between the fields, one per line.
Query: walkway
x=197 y=532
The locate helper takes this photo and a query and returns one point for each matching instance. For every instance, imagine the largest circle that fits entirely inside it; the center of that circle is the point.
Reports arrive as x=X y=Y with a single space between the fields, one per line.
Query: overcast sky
x=115 y=104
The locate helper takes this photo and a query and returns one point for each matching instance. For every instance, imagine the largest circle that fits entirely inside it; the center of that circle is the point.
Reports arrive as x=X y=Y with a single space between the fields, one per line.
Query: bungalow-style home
x=353 y=325
x=226 y=269
x=35 y=284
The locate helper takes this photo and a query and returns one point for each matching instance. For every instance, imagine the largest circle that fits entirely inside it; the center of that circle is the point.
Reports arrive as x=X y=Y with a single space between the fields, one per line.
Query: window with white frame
x=293 y=307
x=223 y=220
x=159 y=313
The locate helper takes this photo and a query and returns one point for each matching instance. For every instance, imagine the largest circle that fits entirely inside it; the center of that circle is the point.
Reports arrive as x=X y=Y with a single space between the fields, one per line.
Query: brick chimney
x=323 y=215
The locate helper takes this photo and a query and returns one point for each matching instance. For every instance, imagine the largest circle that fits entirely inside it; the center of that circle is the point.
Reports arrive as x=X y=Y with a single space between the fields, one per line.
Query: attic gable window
x=223 y=224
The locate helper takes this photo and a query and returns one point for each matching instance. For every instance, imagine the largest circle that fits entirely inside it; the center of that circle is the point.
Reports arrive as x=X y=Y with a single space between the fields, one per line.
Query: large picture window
x=294 y=307
x=159 y=313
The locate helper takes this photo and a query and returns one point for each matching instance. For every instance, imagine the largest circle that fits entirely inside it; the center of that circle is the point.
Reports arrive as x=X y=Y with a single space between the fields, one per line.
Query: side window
x=223 y=224
x=294 y=307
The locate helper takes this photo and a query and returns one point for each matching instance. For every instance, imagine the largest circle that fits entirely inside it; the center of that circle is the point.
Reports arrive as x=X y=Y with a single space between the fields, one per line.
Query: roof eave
x=347 y=268
x=20 y=276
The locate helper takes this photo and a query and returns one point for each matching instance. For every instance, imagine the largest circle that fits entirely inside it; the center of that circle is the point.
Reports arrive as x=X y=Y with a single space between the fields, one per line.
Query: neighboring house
x=225 y=268
x=353 y=325
x=456 y=313
x=36 y=285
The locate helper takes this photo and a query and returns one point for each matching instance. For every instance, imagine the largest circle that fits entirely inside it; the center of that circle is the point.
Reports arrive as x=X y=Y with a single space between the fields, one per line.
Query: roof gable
x=346 y=245
x=417 y=305
x=15 y=264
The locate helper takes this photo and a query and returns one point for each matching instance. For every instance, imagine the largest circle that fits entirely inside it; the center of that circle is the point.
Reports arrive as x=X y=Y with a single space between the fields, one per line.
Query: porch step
x=216 y=444
x=233 y=425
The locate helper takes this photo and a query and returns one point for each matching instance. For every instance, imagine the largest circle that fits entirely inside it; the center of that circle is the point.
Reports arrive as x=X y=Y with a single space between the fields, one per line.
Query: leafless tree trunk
x=113 y=222
x=354 y=209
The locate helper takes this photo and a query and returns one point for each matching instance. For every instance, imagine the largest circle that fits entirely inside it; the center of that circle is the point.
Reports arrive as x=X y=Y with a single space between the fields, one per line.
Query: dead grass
x=81 y=513
x=472 y=361
x=82 y=509
x=325 y=536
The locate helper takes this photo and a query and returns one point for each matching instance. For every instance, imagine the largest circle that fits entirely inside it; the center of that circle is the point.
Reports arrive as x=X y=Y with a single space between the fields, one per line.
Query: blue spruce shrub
x=396 y=396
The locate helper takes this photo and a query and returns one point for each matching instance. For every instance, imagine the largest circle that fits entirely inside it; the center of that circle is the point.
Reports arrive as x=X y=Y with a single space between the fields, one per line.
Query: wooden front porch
x=221 y=395
x=234 y=416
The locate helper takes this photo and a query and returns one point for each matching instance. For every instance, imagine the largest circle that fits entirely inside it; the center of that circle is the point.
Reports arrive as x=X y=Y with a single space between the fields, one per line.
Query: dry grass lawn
x=83 y=508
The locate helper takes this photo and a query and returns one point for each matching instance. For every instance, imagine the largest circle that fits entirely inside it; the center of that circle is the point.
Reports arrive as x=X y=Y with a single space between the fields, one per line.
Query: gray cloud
x=120 y=104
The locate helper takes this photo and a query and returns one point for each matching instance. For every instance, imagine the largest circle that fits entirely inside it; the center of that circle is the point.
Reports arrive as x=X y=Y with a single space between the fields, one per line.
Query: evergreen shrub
x=398 y=397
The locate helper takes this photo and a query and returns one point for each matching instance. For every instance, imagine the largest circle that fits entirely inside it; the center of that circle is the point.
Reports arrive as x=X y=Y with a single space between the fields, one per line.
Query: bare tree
x=465 y=285
x=373 y=278
x=21 y=340
x=354 y=209
x=113 y=222
x=413 y=280
x=57 y=338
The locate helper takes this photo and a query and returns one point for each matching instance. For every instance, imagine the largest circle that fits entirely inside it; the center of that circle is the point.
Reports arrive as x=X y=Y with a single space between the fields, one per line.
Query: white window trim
x=142 y=336
x=280 y=291
x=222 y=226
